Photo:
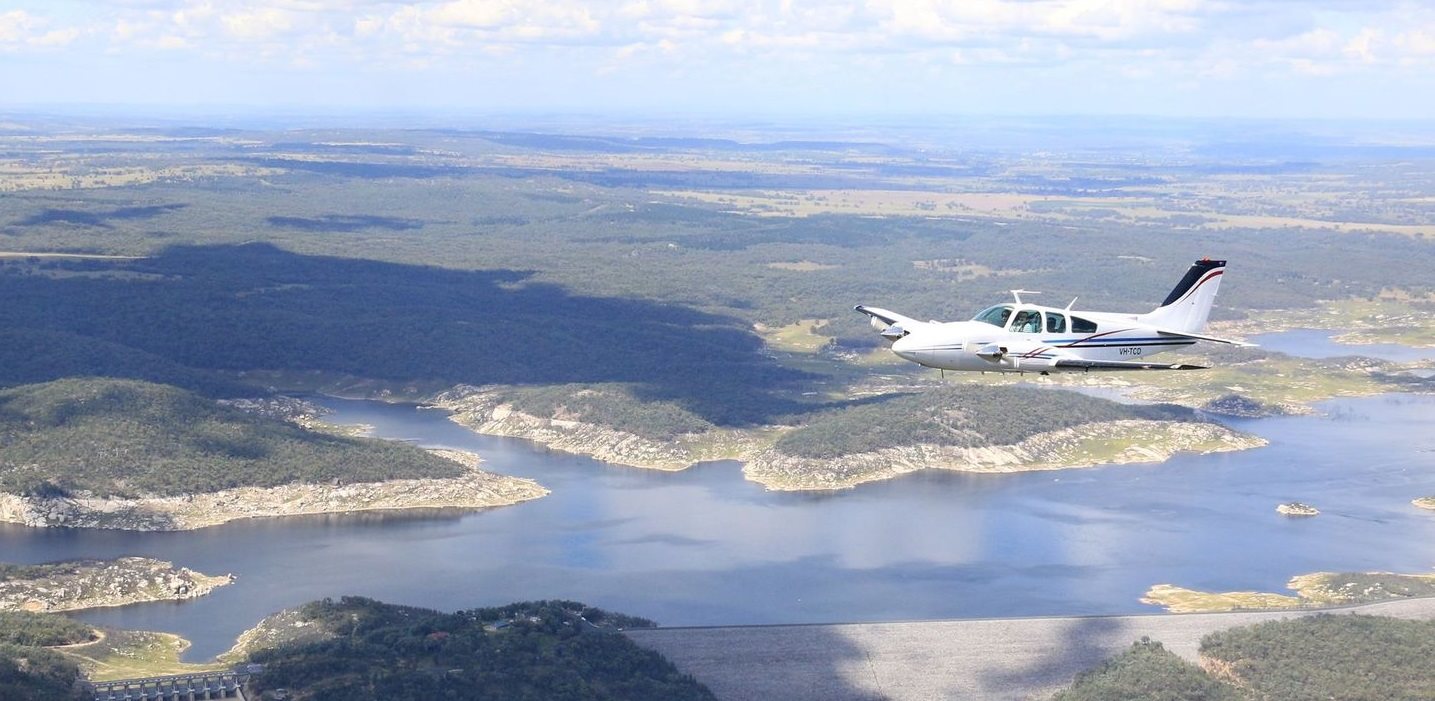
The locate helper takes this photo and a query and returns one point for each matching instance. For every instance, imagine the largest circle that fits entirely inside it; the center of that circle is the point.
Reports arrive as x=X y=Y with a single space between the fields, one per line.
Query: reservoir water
x=704 y=546
x=1321 y=343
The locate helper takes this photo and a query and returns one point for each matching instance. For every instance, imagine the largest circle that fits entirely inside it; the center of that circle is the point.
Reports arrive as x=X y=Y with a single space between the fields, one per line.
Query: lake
x=705 y=547
x=1321 y=343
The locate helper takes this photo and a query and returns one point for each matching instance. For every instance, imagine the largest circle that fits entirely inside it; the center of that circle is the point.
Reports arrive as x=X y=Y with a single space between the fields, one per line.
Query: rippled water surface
x=704 y=546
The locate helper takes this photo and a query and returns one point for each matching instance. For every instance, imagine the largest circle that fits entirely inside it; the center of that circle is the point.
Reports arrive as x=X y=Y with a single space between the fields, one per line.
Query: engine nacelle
x=992 y=352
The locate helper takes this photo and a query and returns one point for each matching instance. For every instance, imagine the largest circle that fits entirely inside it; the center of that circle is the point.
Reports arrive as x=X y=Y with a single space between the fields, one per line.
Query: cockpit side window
x=1080 y=325
x=996 y=316
x=1027 y=321
x=1055 y=323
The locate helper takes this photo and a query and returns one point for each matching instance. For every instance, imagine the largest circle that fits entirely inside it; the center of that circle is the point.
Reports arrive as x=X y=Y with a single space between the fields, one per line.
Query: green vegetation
x=128 y=438
x=634 y=261
x=133 y=654
x=29 y=629
x=1353 y=658
x=1315 y=589
x=967 y=415
x=1148 y=672
x=1347 y=657
x=539 y=650
x=614 y=406
x=36 y=674
x=255 y=307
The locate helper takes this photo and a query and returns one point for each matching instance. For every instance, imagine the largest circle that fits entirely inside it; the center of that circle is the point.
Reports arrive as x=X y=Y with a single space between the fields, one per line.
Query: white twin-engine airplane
x=1024 y=337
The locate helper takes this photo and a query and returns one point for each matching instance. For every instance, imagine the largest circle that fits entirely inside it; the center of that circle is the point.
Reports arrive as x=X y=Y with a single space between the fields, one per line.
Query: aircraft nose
x=909 y=348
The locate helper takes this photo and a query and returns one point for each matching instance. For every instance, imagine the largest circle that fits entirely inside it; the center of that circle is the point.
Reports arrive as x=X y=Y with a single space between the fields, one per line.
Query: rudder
x=1189 y=304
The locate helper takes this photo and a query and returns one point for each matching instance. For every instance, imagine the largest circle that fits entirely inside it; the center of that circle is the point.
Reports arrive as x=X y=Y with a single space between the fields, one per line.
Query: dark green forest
x=30 y=629
x=967 y=415
x=1325 y=656
x=1348 y=657
x=37 y=674
x=127 y=438
x=1147 y=672
x=542 y=651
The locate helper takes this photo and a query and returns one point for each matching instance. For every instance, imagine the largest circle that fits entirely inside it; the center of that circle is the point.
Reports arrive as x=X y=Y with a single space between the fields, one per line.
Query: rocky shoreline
x=476 y=488
x=1316 y=589
x=1132 y=441
x=87 y=584
x=1111 y=443
x=483 y=411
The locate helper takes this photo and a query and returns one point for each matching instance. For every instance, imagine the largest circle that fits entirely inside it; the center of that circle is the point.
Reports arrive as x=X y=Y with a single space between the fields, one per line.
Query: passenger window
x=1080 y=325
x=1055 y=323
x=1027 y=322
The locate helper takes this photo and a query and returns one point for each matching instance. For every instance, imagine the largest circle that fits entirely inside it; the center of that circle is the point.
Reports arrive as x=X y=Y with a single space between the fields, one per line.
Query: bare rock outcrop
x=1116 y=442
x=85 y=584
x=483 y=410
x=475 y=488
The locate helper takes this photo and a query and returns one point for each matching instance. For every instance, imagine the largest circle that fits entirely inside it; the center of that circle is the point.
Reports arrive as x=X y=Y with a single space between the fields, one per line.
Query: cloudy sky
x=1263 y=58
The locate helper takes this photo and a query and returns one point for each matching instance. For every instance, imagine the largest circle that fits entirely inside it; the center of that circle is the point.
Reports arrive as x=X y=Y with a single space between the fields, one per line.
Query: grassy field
x=124 y=654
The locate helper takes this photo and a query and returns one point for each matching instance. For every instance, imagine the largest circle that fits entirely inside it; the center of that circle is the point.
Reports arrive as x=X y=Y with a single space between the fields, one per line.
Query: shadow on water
x=237 y=308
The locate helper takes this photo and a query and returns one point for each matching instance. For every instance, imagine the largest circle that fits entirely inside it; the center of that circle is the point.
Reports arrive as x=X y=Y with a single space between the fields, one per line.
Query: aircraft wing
x=889 y=318
x=1120 y=365
x=1200 y=337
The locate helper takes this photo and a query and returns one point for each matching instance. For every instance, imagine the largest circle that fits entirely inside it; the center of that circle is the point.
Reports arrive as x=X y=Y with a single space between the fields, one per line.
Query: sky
x=1322 y=59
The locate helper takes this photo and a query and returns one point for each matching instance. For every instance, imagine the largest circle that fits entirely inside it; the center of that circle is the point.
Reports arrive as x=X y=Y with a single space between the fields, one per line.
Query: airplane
x=1024 y=337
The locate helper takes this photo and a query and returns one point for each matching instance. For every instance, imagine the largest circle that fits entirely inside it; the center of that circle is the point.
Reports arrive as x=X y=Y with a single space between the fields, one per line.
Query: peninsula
x=133 y=455
x=837 y=445
x=1311 y=590
x=87 y=584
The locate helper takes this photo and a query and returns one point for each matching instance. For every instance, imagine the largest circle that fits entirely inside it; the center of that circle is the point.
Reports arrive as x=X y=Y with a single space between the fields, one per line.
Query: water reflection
x=704 y=546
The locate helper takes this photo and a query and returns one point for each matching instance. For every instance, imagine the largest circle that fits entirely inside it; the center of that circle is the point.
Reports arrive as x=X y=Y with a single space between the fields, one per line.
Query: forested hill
x=965 y=416
x=363 y=650
x=129 y=438
x=1348 y=657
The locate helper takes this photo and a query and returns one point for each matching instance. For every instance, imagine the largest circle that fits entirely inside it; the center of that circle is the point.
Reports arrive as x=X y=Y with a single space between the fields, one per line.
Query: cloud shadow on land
x=99 y=219
x=255 y=306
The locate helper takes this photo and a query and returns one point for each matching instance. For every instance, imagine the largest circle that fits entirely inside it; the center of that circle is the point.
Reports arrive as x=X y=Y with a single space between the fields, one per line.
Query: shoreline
x=1089 y=445
x=1073 y=448
x=475 y=489
x=82 y=585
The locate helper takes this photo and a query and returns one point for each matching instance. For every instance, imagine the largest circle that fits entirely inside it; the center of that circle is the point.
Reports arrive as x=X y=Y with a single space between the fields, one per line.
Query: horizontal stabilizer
x=1202 y=337
x=1076 y=363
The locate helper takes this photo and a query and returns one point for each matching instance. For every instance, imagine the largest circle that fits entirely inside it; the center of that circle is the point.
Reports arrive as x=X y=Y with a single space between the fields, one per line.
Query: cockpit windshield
x=996 y=316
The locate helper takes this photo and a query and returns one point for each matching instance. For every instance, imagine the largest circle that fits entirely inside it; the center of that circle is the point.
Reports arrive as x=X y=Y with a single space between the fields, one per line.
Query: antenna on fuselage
x=1073 y=303
x=1018 y=293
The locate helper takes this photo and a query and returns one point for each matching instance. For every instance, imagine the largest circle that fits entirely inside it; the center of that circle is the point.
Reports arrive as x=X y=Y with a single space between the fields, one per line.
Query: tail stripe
x=1209 y=277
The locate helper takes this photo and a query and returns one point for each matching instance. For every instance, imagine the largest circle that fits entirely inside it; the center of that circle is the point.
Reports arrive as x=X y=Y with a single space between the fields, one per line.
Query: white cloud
x=262 y=23
x=893 y=45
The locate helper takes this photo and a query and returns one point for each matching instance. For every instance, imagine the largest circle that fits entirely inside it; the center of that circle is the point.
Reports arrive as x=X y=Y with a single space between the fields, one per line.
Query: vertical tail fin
x=1189 y=304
